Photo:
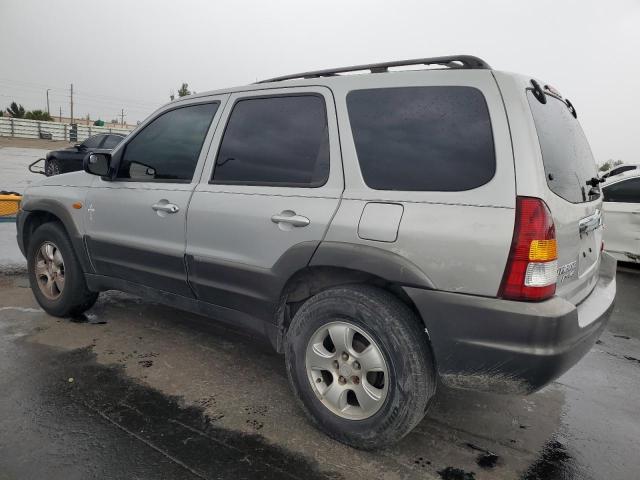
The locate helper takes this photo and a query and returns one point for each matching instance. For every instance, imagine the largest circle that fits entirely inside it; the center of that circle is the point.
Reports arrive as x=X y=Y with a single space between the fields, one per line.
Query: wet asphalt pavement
x=137 y=390
x=140 y=391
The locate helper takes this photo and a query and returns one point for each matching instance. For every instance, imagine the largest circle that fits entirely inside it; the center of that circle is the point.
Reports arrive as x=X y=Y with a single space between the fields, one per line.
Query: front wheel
x=360 y=363
x=51 y=167
x=56 y=279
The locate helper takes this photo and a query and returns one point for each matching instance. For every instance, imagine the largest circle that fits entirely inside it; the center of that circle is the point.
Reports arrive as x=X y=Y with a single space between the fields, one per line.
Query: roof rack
x=452 y=61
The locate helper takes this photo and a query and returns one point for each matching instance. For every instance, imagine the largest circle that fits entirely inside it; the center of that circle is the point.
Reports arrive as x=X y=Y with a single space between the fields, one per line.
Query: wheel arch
x=334 y=264
x=38 y=212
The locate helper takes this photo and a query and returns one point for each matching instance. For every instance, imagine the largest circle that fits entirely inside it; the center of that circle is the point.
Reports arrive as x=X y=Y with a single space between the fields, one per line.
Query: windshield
x=568 y=161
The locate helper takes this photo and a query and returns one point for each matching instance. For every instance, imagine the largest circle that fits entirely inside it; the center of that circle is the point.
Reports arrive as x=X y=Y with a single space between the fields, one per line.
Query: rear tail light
x=532 y=268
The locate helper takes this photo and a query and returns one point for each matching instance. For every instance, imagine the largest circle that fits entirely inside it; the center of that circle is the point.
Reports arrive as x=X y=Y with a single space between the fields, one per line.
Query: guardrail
x=23 y=128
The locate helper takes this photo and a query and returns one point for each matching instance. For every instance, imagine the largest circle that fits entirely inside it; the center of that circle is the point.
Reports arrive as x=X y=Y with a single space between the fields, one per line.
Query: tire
x=409 y=383
x=65 y=298
x=52 y=167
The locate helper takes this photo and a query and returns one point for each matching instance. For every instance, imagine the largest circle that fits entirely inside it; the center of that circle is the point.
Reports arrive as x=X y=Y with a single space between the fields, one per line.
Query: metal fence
x=23 y=128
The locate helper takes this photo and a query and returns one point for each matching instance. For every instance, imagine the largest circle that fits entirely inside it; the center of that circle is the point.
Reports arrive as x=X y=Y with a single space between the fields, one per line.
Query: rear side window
x=422 y=138
x=167 y=149
x=626 y=191
x=275 y=141
x=568 y=161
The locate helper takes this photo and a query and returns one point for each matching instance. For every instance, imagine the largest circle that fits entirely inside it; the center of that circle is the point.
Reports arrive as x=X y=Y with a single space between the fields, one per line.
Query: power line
x=97 y=97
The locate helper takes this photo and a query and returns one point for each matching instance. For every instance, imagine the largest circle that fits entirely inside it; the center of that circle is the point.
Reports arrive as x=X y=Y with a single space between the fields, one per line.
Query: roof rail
x=451 y=61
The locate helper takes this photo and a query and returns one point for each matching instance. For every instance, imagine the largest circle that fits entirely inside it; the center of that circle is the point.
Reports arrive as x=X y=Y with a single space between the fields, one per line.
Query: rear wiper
x=594 y=181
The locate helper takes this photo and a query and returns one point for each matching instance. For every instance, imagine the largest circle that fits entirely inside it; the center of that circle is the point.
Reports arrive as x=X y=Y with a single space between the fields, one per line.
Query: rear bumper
x=512 y=347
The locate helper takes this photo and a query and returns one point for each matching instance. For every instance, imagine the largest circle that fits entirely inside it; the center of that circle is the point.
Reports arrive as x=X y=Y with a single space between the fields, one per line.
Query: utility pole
x=60 y=117
x=72 y=103
x=48 y=111
x=122 y=115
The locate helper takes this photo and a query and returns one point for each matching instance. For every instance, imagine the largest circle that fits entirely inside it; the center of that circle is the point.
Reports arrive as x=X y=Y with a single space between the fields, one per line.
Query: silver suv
x=383 y=230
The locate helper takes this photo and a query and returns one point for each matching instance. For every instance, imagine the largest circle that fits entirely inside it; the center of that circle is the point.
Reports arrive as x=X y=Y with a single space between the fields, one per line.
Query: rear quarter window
x=568 y=161
x=435 y=138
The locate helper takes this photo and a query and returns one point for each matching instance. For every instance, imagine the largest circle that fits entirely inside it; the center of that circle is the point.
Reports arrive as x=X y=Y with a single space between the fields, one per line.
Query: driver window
x=168 y=148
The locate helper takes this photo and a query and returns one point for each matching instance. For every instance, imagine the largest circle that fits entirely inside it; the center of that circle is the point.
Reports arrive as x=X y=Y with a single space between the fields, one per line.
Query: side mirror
x=97 y=164
x=78 y=146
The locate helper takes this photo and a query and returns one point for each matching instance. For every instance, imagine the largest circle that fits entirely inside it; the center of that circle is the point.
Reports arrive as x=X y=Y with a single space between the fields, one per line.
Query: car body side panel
x=460 y=240
x=458 y=248
x=622 y=234
x=58 y=201
x=247 y=288
x=622 y=224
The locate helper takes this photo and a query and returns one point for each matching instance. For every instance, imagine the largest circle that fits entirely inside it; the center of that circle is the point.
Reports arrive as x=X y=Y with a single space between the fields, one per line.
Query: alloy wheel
x=347 y=370
x=49 y=270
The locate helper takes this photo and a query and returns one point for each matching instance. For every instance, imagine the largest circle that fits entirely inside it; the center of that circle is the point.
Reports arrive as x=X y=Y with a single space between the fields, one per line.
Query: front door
x=135 y=224
x=266 y=198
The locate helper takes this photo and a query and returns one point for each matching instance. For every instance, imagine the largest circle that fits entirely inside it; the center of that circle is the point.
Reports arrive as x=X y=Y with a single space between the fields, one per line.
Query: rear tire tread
x=394 y=325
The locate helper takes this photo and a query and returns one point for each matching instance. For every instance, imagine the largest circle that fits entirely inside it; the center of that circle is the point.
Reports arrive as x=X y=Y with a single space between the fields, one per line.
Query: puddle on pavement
x=452 y=473
x=554 y=462
x=181 y=433
x=90 y=318
x=485 y=459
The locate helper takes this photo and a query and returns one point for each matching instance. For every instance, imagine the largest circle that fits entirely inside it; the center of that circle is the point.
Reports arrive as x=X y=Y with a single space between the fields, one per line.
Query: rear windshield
x=422 y=138
x=568 y=161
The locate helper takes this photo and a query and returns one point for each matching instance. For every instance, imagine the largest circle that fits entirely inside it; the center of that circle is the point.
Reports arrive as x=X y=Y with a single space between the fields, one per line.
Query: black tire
x=52 y=167
x=75 y=297
x=404 y=345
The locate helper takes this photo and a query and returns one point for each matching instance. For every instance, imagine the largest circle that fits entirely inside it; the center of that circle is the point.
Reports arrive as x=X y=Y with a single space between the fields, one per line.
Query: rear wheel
x=51 y=167
x=56 y=279
x=360 y=363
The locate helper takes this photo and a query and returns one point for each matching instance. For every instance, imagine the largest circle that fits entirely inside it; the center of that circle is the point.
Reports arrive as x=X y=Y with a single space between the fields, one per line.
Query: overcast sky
x=131 y=54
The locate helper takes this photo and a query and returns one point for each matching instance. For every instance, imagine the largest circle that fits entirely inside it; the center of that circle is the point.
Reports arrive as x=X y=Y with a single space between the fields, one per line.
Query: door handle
x=166 y=207
x=290 y=217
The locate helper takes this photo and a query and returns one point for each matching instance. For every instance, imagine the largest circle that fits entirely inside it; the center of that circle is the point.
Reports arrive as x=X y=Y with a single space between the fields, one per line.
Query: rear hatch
x=574 y=201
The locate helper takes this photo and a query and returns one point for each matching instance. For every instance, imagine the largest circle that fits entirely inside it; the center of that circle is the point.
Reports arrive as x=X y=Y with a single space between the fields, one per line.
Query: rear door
x=266 y=198
x=622 y=218
x=575 y=205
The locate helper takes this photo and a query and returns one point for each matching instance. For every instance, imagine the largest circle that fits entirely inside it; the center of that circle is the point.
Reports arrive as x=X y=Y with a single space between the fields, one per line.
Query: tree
x=609 y=164
x=38 y=115
x=15 y=110
x=183 y=91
